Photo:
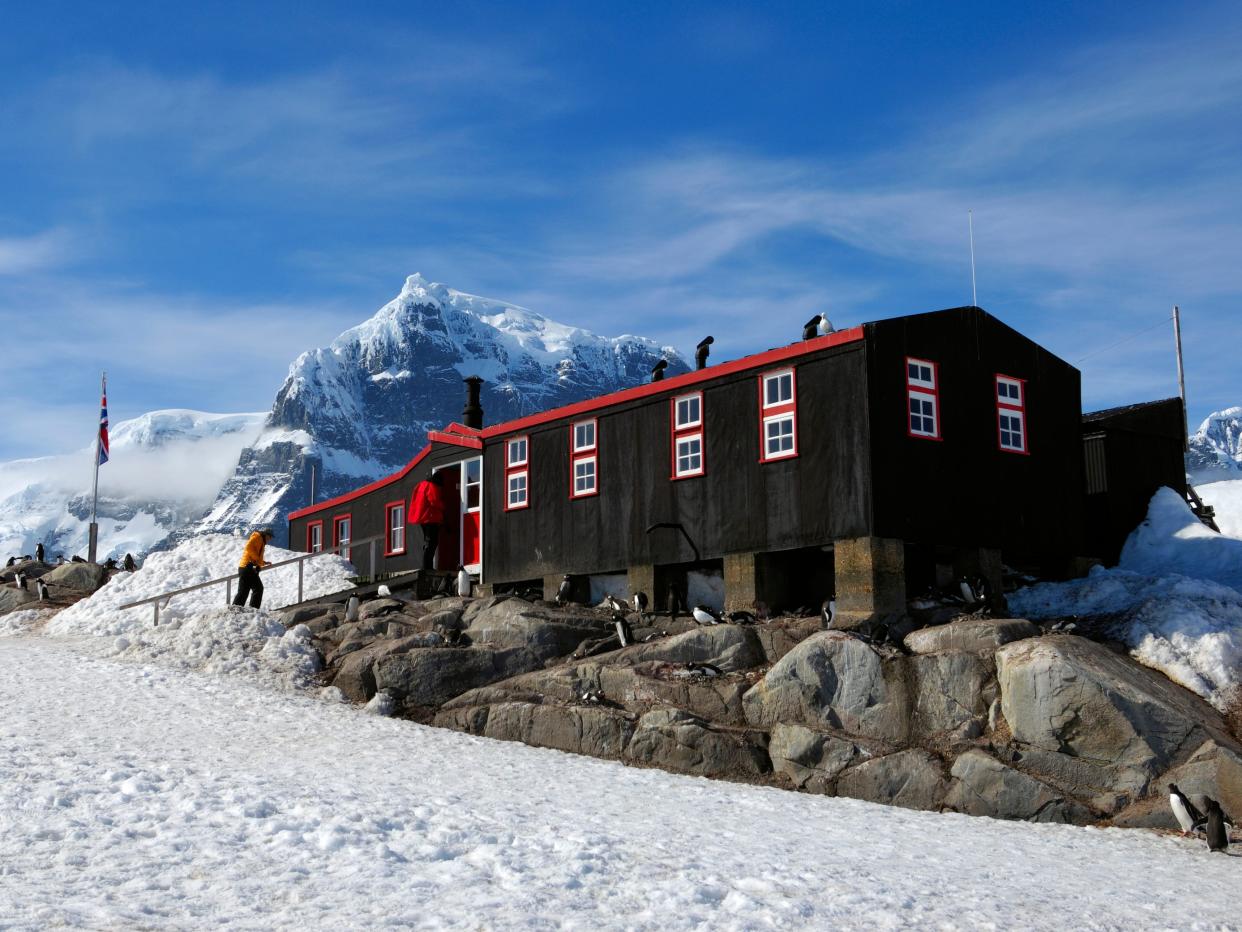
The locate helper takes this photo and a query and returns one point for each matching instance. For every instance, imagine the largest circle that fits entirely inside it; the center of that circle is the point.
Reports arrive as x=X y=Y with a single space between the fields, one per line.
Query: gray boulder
x=832 y=681
x=433 y=677
x=12 y=599
x=973 y=634
x=374 y=608
x=950 y=690
x=676 y=740
x=591 y=730
x=729 y=647
x=912 y=779
x=85 y=577
x=512 y=624
x=1213 y=771
x=449 y=619
x=984 y=786
x=1073 y=697
x=812 y=759
x=305 y=615
x=355 y=675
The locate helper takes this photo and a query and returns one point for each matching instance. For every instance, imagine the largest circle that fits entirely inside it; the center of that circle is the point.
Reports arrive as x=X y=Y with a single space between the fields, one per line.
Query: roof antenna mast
x=974 y=294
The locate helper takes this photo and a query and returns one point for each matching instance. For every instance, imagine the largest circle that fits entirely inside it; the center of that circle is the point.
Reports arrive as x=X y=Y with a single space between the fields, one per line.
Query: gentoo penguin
x=640 y=603
x=967 y=591
x=624 y=634
x=704 y=669
x=613 y=603
x=701 y=351
x=593 y=696
x=463 y=581
x=562 y=594
x=39 y=552
x=657 y=371
x=827 y=612
x=351 y=609
x=42 y=590
x=19 y=580
x=1183 y=809
x=742 y=617
x=705 y=616
x=1215 y=819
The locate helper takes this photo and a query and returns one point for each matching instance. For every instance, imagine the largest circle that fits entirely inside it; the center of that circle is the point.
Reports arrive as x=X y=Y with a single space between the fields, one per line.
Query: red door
x=450 y=540
x=472 y=514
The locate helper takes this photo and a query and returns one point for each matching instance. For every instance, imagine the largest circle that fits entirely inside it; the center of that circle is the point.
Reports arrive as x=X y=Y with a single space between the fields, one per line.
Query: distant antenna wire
x=974 y=294
x=1137 y=333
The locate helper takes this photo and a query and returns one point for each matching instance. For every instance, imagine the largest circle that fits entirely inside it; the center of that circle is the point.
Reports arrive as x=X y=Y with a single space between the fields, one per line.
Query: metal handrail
x=155 y=600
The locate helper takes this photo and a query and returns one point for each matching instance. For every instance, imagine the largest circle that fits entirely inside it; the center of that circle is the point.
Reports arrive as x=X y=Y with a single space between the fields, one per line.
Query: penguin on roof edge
x=657 y=371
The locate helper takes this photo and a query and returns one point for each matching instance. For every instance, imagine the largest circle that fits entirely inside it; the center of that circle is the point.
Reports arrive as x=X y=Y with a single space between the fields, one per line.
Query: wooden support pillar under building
x=642 y=578
x=870 y=579
x=741 y=581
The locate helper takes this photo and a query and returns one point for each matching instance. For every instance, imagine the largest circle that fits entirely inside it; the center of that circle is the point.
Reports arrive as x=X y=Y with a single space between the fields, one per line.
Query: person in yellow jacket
x=252 y=561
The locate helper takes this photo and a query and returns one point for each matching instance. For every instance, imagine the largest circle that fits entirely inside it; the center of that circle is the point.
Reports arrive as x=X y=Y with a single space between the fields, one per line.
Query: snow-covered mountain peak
x=1216 y=447
x=158 y=428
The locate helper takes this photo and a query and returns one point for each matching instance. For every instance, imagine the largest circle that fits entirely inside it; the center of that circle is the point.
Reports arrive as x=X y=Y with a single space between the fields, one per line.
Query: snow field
x=196 y=630
x=1177 y=593
x=141 y=796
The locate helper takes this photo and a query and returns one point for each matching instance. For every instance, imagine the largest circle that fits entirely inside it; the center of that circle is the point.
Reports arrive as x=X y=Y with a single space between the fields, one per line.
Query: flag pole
x=93 y=539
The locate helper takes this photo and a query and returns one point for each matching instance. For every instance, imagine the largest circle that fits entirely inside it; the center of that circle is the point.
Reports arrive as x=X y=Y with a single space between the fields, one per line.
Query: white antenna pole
x=92 y=538
x=1181 y=376
x=974 y=294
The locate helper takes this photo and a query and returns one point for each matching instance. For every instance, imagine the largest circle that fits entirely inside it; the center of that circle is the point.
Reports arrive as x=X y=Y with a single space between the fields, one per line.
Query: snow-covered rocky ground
x=139 y=796
x=1176 y=595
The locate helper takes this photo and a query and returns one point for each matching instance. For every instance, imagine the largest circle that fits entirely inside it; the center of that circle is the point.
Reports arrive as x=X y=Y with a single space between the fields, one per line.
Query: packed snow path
x=137 y=796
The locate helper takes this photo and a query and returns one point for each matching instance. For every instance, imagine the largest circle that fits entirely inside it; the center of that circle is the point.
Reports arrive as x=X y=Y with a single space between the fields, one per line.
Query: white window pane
x=584 y=435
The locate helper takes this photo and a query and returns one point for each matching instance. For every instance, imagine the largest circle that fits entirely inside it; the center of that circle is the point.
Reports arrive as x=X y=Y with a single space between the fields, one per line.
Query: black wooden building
x=873 y=461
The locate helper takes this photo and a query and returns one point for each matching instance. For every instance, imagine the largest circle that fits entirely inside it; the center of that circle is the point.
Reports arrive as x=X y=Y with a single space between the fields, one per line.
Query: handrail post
x=301 y=563
x=374 y=569
x=156 y=604
x=228 y=591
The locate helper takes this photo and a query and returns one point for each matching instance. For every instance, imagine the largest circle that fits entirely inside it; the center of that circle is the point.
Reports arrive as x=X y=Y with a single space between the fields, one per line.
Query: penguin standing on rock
x=827 y=612
x=1183 y=809
x=640 y=604
x=703 y=669
x=624 y=633
x=613 y=603
x=562 y=594
x=19 y=580
x=1215 y=820
x=742 y=617
x=43 y=596
x=351 y=609
x=705 y=616
x=463 y=581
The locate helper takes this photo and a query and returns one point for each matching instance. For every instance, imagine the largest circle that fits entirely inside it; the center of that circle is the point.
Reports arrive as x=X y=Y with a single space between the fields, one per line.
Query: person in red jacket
x=427 y=511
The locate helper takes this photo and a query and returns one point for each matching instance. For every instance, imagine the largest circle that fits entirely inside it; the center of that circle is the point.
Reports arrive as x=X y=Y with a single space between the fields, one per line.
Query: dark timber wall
x=1130 y=453
x=963 y=490
x=739 y=505
x=368 y=515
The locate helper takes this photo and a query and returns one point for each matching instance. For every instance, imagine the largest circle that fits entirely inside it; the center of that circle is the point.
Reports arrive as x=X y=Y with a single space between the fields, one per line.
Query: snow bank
x=1176 y=596
x=196 y=629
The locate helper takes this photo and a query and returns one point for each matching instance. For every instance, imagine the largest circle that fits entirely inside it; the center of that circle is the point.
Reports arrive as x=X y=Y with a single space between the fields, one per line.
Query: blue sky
x=191 y=195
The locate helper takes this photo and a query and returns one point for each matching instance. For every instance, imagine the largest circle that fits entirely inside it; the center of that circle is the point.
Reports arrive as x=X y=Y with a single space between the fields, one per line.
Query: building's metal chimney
x=701 y=351
x=472 y=413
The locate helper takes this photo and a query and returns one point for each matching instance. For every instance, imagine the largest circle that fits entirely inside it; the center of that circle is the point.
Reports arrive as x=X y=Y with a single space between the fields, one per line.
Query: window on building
x=922 y=399
x=585 y=480
x=394 y=522
x=778 y=415
x=517 y=490
x=342 y=534
x=314 y=537
x=517 y=474
x=1011 y=414
x=687 y=435
x=584 y=459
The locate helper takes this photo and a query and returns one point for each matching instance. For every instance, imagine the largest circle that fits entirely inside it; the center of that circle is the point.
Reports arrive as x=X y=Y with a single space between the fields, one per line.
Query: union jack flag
x=103 y=426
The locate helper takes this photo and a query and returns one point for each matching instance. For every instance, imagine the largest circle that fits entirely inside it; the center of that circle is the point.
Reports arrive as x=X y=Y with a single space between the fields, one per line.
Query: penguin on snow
x=705 y=616
x=562 y=594
x=1215 y=820
x=463 y=581
x=1183 y=809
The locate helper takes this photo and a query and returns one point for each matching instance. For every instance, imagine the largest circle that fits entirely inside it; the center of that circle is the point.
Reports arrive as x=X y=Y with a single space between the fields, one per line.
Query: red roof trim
x=456 y=428
x=358 y=493
x=678 y=382
x=439 y=436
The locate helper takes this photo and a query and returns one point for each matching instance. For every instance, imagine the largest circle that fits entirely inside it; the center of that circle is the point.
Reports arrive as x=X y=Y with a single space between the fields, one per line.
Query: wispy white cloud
x=21 y=255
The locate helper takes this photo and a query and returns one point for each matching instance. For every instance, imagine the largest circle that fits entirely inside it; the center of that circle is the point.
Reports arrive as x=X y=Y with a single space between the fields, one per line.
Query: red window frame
x=581 y=455
x=348 y=553
x=389 y=549
x=520 y=468
x=679 y=434
x=778 y=411
x=1011 y=409
x=914 y=388
x=314 y=524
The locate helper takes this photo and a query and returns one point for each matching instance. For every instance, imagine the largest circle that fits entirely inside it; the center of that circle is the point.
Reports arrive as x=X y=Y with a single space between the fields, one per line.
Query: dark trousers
x=431 y=540
x=248 y=584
